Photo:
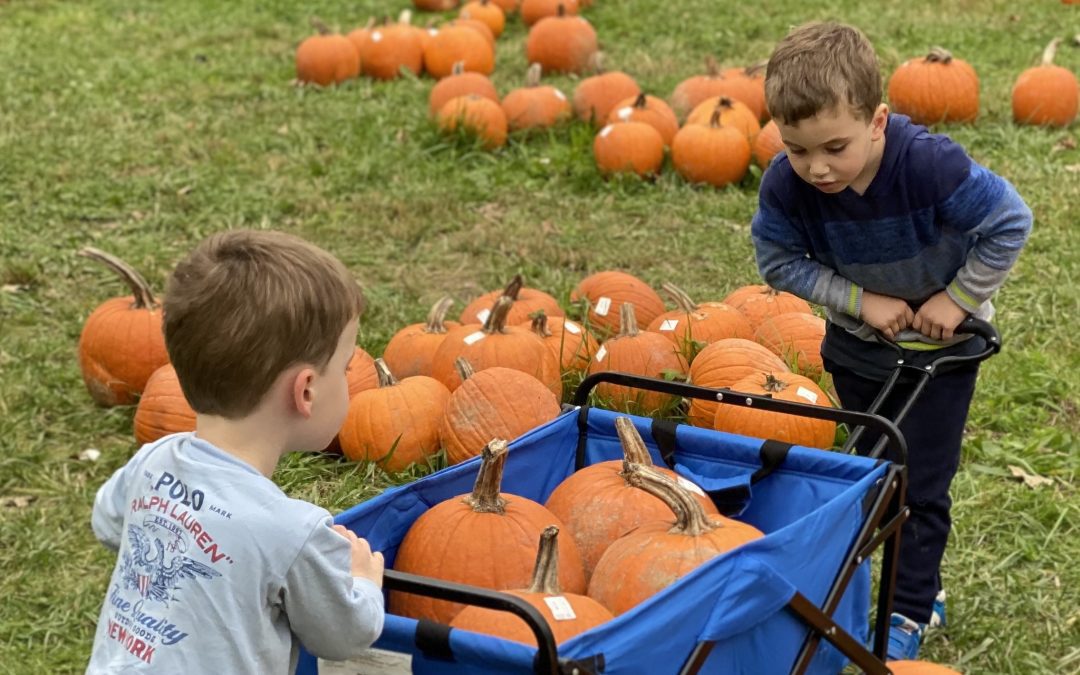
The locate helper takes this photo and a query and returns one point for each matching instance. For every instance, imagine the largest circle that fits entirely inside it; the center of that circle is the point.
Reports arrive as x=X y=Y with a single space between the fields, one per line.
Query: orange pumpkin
x=767 y=144
x=361 y=375
x=493 y=403
x=1046 y=94
x=598 y=504
x=650 y=110
x=411 y=349
x=122 y=343
x=935 y=88
x=660 y=552
x=759 y=302
x=758 y=423
x=919 y=668
x=507 y=6
x=746 y=85
x=640 y=353
x=571 y=342
x=475 y=25
x=496 y=344
x=795 y=337
x=721 y=365
x=525 y=301
x=435 y=5
x=327 y=58
x=487 y=538
x=477 y=116
x=717 y=155
x=460 y=83
x=162 y=409
x=359 y=36
x=585 y=612
x=609 y=290
x=535 y=106
x=732 y=114
x=629 y=147
x=749 y=87
x=702 y=323
x=458 y=43
x=486 y=12
x=390 y=48
x=562 y=43
x=534 y=10
x=597 y=95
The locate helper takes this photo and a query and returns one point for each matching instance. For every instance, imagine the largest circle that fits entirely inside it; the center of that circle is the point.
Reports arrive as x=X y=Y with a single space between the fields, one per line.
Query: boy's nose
x=819 y=169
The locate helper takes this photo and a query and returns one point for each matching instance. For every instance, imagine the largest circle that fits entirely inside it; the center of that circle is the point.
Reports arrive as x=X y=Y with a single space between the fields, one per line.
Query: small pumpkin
x=410 y=350
x=650 y=110
x=535 y=106
x=122 y=343
x=525 y=301
x=796 y=338
x=597 y=95
x=392 y=47
x=359 y=36
x=609 y=290
x=487 y=12
x=767 y=144
x=474 y=25
x=478 y=116
x=327 y=58
x=629 y=147
x=162 y=409
x=703 y=323
x=535 y=10
x=750 y=87
x=493 y=403
x=571 y=342
x=585 y=613
x=562 y=43
x=457 y=43
x=716 y=154
x=639 y=353
x=758 y=302
x=361 y=376
x=659 y=553
x=722 y=364
x=1046 y=94
x=599 y=505
x=935 y=88
x=746 y=85
x=812 y=433
x=732 y=114
x=487 y=538
x=460 y=83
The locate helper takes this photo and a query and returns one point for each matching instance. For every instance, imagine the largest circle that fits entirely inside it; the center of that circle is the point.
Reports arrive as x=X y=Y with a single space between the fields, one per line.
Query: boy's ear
x=879 y=121
x=302 y=393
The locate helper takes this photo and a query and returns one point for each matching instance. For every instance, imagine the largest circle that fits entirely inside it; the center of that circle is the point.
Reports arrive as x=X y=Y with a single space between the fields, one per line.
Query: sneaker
x=905 y=637
x=937 y=615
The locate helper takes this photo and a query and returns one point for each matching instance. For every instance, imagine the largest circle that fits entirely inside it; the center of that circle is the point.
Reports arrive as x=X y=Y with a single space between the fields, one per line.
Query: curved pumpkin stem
x=641 y=102
x=712 y=68
x=679 y=295
x=496 y=321
x=386 y=378
x=405 y=18
x=464 y=368
x=485 y=495
x=458 y=68
x=144 y=298
x=1050 y=52
x=437 y=316
x=532 y=79
x=627 y=321
x=690 y=518
x=545 y=577
x=319 y=26
x=514 y=287
x=717 y=118
x=774 y=384
x=939 y=55
x=725 y=103
x=540 y=323
x=561 y=11
x=634 y=450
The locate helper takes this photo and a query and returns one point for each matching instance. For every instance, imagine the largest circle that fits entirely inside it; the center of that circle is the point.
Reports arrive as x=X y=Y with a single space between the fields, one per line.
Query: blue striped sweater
x=931 y=219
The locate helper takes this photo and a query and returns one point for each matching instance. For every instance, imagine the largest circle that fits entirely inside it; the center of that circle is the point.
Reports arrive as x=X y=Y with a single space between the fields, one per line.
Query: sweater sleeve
x=783 y=257
x=334 y=615
x=110 y=502
x=989 y=207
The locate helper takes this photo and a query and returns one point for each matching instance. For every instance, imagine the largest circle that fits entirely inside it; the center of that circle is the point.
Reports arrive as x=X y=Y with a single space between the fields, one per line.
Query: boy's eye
x=837 y=149
x=796 y=151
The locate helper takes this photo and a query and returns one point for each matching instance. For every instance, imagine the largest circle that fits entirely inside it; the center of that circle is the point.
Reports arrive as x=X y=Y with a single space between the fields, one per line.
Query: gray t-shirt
x=219 y=571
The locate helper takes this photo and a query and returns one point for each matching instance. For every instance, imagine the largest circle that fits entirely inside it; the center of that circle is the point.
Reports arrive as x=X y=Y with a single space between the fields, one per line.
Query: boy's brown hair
x=244 y=306
x=818 y=66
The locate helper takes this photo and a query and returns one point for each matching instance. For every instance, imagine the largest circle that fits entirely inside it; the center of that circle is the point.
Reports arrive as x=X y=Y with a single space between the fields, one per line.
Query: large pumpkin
x=327 y=58
x=562 y=43
x=598 y=504
x=122 y=343
x=795 y=337
x=577 y=613
x=162 y=409
x=493 y=403
x=1046 y=94
x=487 y=538
x=597 y=95
x=630 y=147
x=410 y=350
x=714 y=154
x=457 y=43
x=397 y=423
x=648 y=109
x=722 y=364
x=535 y=106
x=607 y=291
x=759 y=302
x=701 y=323
x=526 y=301
x=935 y=88
x=659 y=553
x=812 y=433
x=570 y=341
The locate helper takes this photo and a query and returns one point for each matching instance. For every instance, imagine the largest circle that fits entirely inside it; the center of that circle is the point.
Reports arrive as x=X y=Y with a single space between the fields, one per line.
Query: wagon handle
x=726 y=396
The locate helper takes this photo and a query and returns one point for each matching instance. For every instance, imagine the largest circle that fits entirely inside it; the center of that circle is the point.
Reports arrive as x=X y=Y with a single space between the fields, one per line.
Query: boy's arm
x=110 y=502
x=335 y=615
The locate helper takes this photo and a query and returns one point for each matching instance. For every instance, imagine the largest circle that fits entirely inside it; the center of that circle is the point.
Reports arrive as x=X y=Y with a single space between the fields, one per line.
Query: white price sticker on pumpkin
x=560 y=608
x=690 y=485
x=571 y=327
x=601 y=353
x=376 y=36
x=473 y=338
x=559 y=95
x=669 y=325
x=603 y=306
x=606 y=131
x=482 y=315
x=807 y=394
x=625 y=113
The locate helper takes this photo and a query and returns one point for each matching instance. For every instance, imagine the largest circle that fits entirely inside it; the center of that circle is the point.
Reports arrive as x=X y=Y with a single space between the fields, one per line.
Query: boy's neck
x=252 y=439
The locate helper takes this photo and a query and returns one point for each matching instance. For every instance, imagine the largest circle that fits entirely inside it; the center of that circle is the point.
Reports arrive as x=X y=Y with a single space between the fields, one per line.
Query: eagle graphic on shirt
x=148 y=568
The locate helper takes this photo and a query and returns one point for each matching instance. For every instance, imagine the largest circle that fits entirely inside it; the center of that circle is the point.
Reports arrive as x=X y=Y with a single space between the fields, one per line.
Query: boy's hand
x=365 y=564
x=887 y=314
x=939 y=316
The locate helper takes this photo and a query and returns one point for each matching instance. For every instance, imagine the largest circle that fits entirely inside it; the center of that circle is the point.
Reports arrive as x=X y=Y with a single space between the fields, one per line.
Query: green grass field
x=140 y=127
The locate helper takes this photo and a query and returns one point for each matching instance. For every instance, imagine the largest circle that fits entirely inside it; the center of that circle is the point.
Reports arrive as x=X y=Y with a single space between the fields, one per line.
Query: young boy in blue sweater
x=218 y=570
x=900 y=236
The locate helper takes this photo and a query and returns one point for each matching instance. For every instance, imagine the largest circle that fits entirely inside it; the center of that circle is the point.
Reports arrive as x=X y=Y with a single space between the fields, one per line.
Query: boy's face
x=331 y=388
x=834 y=149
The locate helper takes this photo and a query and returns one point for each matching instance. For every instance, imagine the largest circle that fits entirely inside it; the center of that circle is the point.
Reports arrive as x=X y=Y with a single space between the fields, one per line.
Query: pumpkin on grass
x=487 y=538
x=456 y=43
x=361 y=375
x=659 y=553
x=410 y=350
x=525 y=301
x=493 y=403
x=327 y=58
x=1046 y=94
x=767 y=144
x=562 y=43
x=460 y=83
x=722 y=364
x=397 y=423
x=162 y=409
x=795 y=337
x=648 y=109
x=746 y=85
x=759 y=302
x=782 y=386
x=535 y=106
x=570 y=341
x=359 y=36
x=607 y=291
x=474 y=25
x=599 y=505
x=487 y=12
x=597 y=95
x=577 y=613
x=122 y=343
x=476 y=116
x=935 y=88
x=629 y=147
x=391 y=47
x=703 y=323
x=715 y=154
x=535 y=10
x=732 y=114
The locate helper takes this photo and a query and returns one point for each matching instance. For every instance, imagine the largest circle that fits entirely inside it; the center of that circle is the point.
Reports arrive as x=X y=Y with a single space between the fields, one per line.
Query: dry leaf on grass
x=16 y=502
x=1033 y=482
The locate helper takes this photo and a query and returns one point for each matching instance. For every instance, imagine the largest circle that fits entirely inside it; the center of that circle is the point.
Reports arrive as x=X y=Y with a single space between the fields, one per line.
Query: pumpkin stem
x=596 y=63
x=561 y=10
x=717 y=117
x=514 y=287
x=144 y=298
x=939 y=55
x=690 y=518
x=386 y=378
x=319 y=26
x=773 y=384
x=458 y=69
x=725 y=102
x=496 y=321
x=405 y=18
x=712 y=68
x=679 y=295
x=1050 y=52
x=464 y=368
x=437 y=316
x=545 y=577
x=641 y=102
x=485 y=495
x=627 y=321
x=634 y=450
x=532 y=79
x=540 y=323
